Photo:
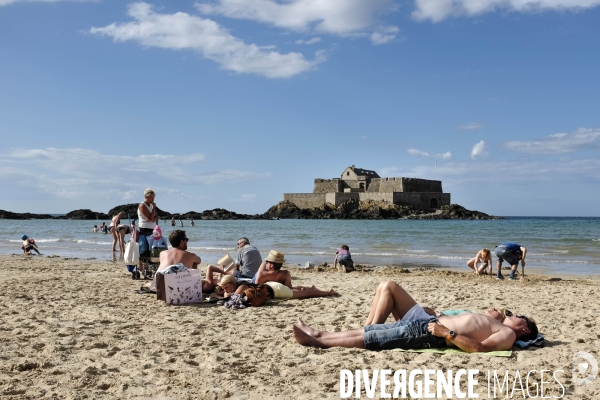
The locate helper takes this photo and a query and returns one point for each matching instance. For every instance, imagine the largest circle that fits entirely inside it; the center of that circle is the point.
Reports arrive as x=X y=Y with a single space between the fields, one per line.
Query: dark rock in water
x=454 y=211
x=85 y=214
x=370 y=209
x=132 y=210
x=216 y=214
x=12 y=215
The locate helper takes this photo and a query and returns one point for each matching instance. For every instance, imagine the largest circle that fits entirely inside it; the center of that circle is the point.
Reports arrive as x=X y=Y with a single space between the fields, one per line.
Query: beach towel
x=452 y=350
x=538 y=341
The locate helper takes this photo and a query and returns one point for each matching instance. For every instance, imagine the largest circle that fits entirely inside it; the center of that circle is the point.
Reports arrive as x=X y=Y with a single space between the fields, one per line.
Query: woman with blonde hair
x=483 y=257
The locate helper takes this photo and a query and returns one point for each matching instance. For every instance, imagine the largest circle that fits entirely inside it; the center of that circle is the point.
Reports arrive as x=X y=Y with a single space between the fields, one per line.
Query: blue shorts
x=402 y=335
x=504 y=254
x=346 y=262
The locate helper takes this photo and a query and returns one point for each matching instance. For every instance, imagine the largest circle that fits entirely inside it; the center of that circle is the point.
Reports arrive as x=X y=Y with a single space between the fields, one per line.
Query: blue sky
x=231 y=103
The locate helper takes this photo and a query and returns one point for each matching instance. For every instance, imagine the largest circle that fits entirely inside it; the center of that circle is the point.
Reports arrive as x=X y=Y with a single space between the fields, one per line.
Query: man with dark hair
x=178 y=254
x=415 y=328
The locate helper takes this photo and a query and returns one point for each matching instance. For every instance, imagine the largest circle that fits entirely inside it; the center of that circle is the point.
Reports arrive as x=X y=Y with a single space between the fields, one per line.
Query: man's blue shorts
x=402 y=335
x=504 y=254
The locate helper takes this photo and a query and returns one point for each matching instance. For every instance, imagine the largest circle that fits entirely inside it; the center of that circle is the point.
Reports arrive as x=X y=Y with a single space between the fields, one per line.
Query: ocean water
x=555 y=245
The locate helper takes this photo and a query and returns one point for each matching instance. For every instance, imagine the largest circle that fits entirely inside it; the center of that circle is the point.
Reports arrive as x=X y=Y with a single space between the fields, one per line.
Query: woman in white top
x=147 y=213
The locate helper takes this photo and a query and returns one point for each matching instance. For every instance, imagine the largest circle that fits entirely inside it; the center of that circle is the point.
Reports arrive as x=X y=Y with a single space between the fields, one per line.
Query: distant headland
x=358 y=194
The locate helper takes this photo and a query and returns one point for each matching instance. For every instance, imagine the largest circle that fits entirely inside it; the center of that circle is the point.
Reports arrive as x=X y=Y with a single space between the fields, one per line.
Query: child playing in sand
x=28 y=245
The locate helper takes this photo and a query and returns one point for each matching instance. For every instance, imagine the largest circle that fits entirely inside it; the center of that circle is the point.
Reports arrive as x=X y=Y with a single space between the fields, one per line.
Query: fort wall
x=305 y=200
x=328 y=185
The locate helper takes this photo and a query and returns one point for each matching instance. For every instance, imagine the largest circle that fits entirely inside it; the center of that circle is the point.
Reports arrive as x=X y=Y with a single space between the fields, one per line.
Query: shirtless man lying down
x=416 y=329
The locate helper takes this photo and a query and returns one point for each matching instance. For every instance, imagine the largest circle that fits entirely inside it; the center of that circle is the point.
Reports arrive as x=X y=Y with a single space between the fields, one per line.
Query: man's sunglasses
x=186 y=239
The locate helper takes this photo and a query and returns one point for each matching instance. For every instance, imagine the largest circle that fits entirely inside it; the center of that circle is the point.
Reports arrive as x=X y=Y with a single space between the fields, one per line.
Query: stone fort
x=363 y=184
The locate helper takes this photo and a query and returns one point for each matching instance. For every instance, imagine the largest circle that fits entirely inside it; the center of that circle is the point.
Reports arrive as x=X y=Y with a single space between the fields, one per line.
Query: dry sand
x=77 y=329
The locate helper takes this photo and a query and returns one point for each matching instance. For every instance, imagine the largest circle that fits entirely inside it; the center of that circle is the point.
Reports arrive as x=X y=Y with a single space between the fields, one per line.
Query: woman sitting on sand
x=484 y=257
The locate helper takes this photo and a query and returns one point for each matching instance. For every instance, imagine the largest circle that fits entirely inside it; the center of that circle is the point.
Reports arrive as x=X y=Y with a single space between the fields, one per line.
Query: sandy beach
x=77 y=329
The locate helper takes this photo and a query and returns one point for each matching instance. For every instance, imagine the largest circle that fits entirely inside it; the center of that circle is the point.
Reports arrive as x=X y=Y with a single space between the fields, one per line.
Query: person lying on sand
x=415 y=329
x=270 y=274
x=391 y=298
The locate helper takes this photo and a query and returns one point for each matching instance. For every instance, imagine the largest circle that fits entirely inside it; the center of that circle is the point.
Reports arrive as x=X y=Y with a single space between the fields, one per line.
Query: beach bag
x=182 y=288
x=132 y=253
x=257 y=295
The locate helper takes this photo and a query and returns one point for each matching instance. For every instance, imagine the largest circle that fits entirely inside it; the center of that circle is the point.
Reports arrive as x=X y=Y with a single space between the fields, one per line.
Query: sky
x=231 y=103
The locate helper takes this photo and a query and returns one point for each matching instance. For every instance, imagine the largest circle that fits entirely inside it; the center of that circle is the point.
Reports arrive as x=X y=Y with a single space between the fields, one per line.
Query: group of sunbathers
x=416 y=327
x=268 y=272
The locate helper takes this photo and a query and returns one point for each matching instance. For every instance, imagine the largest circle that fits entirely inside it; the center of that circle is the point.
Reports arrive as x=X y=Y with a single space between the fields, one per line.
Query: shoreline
x=393 y=268
x=77 y=328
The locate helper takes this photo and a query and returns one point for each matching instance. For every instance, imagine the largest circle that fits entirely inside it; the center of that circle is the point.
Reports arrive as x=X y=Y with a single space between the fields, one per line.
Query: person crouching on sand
x=29 y=245
x=416 y=329
x=484 y=256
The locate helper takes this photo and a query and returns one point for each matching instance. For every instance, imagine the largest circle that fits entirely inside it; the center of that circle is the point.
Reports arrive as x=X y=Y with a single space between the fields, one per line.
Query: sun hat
x=157 y=232
x=275 y=257
x=24 y=237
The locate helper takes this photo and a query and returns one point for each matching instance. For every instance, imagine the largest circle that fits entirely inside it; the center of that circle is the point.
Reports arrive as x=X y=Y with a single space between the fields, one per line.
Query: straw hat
x=275 y=257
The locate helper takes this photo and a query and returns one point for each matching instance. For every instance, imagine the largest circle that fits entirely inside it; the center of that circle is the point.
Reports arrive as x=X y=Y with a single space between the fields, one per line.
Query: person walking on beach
x=416 y=329
x=344 y=258
x=484 y=256
x=29 y=245
x=511 y=253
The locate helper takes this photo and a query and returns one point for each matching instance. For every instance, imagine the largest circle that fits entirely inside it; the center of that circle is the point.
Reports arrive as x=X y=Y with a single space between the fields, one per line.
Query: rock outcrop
x=85 y=214
x=12 y=215
x=370 y=209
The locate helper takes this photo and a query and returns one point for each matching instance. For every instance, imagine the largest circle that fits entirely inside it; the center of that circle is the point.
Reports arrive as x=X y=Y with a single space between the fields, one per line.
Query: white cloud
x=336 y=17
x=437 y=10
x=180 y=31
x=559 y=143
x=309 y=41
x=384 y=34
x=444 y=156
x=479 y=150
x=70 y=173
x=471 y=126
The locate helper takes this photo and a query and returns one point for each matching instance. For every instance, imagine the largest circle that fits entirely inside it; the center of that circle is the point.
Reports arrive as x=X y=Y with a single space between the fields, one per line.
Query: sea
x=556 y=245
